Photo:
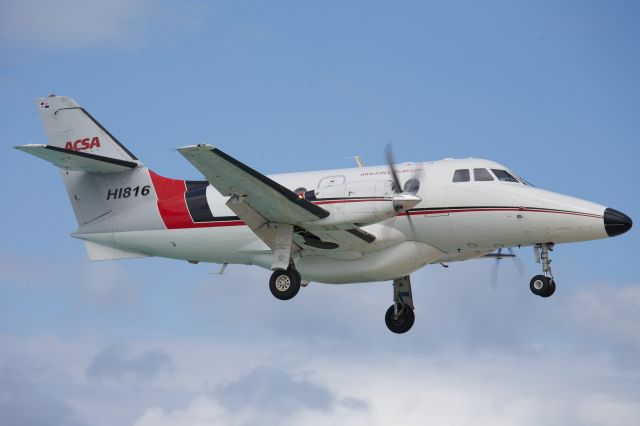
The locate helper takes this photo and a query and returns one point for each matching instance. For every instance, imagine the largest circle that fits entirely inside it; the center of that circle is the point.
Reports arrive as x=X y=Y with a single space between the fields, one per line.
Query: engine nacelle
x=361 y=203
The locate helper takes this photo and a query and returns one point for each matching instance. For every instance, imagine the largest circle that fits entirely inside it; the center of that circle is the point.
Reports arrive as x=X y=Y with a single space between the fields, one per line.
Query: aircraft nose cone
x=616 y=223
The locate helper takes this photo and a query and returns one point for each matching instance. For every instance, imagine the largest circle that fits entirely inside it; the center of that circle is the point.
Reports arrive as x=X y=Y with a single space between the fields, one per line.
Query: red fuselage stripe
x=173 y=206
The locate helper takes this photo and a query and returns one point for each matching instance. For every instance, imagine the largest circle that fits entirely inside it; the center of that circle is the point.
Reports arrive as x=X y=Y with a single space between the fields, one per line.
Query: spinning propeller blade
x=498 y=256
x=404 y=198
x=390 y=163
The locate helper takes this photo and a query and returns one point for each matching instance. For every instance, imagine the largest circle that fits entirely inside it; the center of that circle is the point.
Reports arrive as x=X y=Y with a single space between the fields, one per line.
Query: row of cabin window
x=483 y=175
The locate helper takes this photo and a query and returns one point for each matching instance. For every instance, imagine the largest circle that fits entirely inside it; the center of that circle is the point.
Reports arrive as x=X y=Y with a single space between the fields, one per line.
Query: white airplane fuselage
x=454 y=221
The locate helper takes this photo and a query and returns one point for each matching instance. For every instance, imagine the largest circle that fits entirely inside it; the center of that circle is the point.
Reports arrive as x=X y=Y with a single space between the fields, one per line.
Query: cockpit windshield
x=484 y=175
x=504 y=176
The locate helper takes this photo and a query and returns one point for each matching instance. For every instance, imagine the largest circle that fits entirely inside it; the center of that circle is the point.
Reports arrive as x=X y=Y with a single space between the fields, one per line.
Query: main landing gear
x=400 y=317
x=285 y=284
x=543 y=285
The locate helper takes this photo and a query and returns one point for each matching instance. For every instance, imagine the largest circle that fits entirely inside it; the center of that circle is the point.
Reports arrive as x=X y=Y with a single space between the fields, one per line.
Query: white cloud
x=453 y=389
x=87 y=23
x=202 y=411
x=475 y=356
x=604 y=410
x=611 y=312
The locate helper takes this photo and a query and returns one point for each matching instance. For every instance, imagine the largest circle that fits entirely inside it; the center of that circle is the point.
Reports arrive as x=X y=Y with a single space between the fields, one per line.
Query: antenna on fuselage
x=358 y=160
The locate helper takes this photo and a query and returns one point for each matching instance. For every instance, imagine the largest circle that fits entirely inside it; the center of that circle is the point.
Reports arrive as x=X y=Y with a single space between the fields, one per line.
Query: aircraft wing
x=230 y=177
x=260 y=201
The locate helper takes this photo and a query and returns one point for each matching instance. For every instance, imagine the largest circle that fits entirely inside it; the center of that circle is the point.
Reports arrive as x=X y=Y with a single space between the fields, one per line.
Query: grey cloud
x=115 y=363
x=24 y=404
x=269 y=390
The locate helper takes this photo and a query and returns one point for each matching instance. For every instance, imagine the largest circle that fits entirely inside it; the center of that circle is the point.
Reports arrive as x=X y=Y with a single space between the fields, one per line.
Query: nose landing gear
x=543 y=285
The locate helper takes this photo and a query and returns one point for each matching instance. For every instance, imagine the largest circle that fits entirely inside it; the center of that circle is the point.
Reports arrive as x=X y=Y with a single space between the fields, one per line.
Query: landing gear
x=543 y=285
x=284 y=285
x=399 y=322
x=400 y=317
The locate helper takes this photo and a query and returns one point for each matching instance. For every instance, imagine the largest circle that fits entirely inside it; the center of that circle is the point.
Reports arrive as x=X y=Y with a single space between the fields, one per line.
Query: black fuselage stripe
x=198 y=205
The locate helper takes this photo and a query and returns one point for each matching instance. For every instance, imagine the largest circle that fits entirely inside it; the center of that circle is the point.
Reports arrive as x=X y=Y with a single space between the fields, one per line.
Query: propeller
x=500 y=255
x=404 y=198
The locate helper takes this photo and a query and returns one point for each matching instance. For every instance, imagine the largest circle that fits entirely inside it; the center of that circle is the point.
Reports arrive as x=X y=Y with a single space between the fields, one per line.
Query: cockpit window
x=504 y=176
x=461 y=175
x=482 y=175
x=412 y=186
x=524 y=182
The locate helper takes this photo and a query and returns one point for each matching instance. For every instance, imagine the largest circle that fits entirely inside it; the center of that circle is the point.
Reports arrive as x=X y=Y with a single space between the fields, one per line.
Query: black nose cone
x=616 y=223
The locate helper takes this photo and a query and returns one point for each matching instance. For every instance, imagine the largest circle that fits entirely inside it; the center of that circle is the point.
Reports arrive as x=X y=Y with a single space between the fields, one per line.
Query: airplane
x=364 y=224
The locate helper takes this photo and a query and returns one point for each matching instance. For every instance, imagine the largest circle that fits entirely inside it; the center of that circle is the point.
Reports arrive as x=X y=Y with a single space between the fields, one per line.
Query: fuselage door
x=331 y=180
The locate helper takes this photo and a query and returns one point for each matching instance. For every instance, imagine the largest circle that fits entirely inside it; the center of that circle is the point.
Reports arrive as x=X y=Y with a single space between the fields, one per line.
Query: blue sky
x=549 y=88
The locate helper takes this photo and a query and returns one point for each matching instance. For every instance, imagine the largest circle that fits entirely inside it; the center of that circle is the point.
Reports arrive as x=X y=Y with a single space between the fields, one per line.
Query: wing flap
x=77 y=161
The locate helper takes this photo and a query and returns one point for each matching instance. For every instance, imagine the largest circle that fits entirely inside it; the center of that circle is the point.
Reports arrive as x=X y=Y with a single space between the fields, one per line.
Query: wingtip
x=198 y=147
x=28 y=146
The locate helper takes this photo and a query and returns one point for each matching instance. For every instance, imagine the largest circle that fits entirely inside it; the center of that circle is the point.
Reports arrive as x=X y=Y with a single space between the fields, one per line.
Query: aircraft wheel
x=296 y=273
x=542 y=286
x=403 y=323
x=284 y=285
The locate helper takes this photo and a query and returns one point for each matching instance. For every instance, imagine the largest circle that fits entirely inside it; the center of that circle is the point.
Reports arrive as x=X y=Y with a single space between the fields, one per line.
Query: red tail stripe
x=173 y=206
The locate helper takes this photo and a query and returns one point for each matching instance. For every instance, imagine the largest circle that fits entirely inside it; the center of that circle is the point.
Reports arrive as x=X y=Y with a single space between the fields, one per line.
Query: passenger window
x=461 y=175
x=504 y=176
x=482 y=175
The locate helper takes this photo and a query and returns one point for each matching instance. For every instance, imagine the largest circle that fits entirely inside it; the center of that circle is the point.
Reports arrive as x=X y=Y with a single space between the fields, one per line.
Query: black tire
x=403 y=323
x=552 y=288
x=542 y=286
x=296 y=273
x=284 y=285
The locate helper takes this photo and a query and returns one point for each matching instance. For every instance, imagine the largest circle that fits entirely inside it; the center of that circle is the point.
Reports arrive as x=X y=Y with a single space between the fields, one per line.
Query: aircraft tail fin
x=71 y=128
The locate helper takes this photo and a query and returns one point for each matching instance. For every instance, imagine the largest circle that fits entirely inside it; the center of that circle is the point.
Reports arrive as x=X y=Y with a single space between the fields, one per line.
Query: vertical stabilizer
x=71 y=127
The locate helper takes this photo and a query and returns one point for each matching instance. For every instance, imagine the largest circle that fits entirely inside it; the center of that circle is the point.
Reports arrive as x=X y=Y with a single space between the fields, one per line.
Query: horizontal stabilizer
x=77 y=161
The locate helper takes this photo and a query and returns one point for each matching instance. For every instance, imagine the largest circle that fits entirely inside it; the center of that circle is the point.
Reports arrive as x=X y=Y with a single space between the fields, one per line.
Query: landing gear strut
x=285 y=284
x=543 y=285
x=400 y=317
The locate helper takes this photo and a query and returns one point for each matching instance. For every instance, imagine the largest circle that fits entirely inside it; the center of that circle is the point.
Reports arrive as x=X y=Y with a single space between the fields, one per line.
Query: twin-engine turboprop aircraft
x=334 y=226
